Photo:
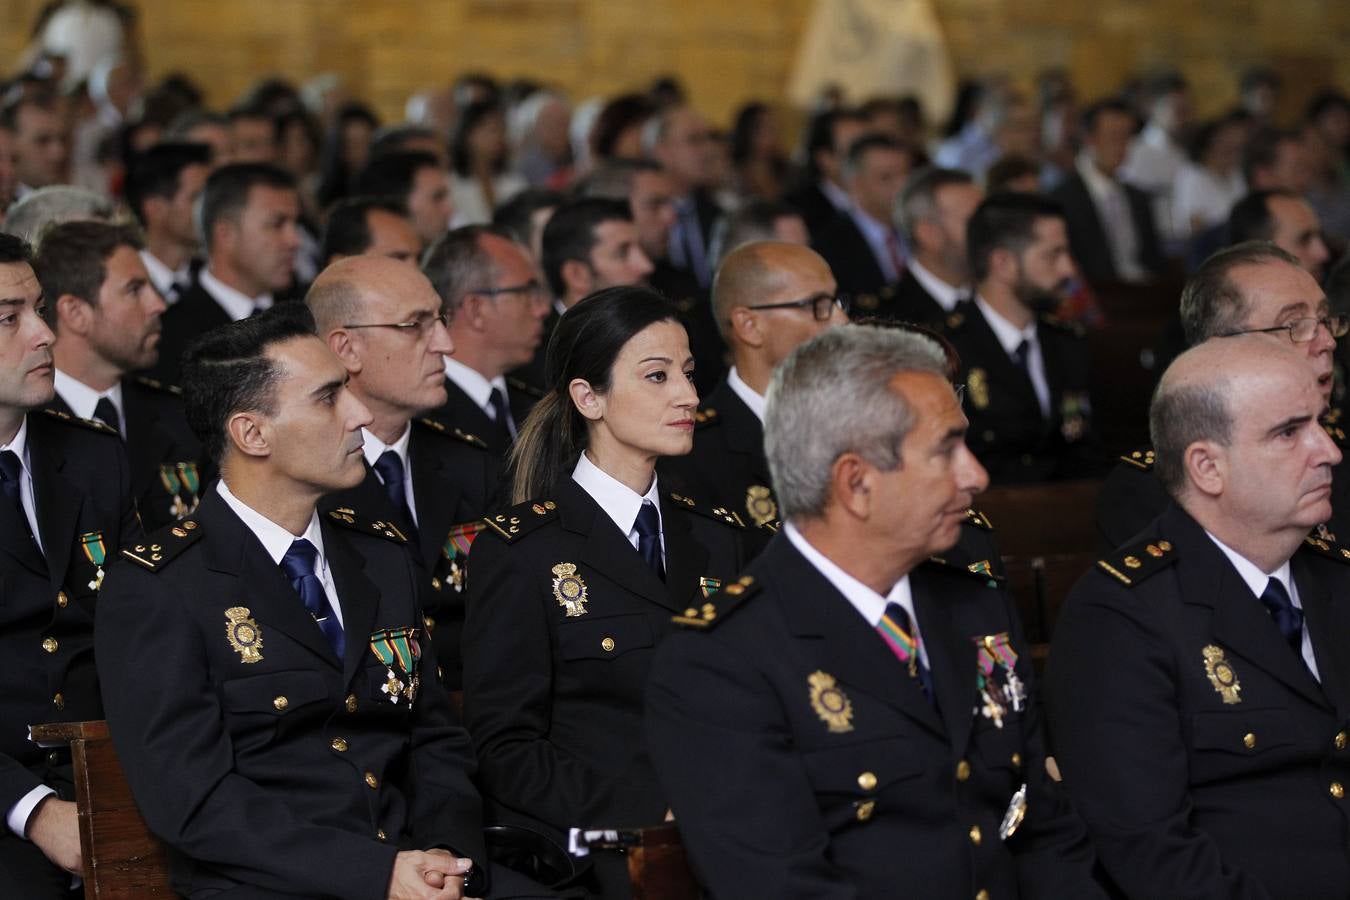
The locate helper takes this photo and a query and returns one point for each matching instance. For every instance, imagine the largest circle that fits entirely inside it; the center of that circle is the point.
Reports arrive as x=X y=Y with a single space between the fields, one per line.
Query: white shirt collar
x=82 y=399
x=946 y=295
x=275 y=539
x=164 y=278
x=746 y=393
x=620 y=502
x=20 y=446
x=837 y=196
x=374 y=448
x=235 y=303
x=472 y=382
x=1099 y=186
x=1253 y=577
x=1008 y=334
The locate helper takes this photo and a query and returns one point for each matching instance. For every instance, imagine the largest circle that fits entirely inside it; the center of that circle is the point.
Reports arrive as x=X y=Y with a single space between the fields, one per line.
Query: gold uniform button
x=351 y=703
x=975 y=836
x=281 y=703
x=1017 y=759
x=380 y=835
x=607 y=644
x=982 y=895
x=867 y=781
x=339 y=744
x=1249 y=740
x=61 y=599
x=1339 y=742
x=371 y=780
x=59 y=701
x=49 y=644
x=1337 y=790
x=962 y=770
x=865 y=810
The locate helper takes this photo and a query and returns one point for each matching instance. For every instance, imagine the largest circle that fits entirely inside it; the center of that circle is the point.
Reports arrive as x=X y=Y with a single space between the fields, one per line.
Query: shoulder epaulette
x=718 y=605
x=773 y=526
x=346 y=516
x=1062 y=325
x=1324 y=543
x=519 y=520
x=1136 y=562
x=704 y=417
x=525 y=387
x=91 y=424
x=164 y=545
x=1140 y=459
x=458 y=434
x=981 y=571
x=160 y=386
x=720 y=513
x=978 y=519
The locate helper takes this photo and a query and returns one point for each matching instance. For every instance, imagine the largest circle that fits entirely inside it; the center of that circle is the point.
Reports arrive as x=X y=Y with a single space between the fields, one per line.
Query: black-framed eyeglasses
x=822 y=305
x=1303 y=329
x=530 y=290
x=418 y=328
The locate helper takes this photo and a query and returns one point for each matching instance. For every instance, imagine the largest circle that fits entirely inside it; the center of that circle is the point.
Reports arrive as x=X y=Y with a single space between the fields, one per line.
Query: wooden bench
x=658 y=868
x=122 y=859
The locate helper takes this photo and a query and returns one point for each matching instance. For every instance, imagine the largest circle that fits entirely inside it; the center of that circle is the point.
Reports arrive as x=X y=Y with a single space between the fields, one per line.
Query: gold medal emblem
x=1220 y=674
x=830 y=703
x=243 y=634
x=569 y=589
x=977 y=388
x=759 y=504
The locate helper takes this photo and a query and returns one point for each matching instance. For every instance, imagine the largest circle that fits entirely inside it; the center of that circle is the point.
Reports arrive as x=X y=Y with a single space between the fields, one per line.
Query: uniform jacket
x=914 y=304
x=460 y=411
x=1087 y=236
x=554 y=701
x=802 y=760
x=815 y=208
x=82 y=488
x=855 y=269
x=294 y=771
x=1008 y=434
x=195 y=312
x=1204 y=757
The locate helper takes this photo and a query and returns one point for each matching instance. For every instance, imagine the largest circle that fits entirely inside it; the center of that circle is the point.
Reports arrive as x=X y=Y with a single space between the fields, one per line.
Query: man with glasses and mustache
x=106 y=314
x=490 y=289
x=382 y=319
x=1250 y=287
x=1027 y=375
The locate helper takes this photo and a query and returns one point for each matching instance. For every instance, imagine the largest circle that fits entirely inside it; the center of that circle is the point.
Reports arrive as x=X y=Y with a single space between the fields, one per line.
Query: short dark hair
x=252 y=111
x=570 y=234
x=1263 y=149
x=515 y=214
x=869 y=142
x=615 y=117
x=1005 y=221
x=1325 y=101
x=14 y=249
x=392 y=175
x=395 y=138
x=1007 y=169
x=457 y=262
x=820 y=136
x=1106 y=105
x=156 y=172
x=42 y=99
x=1250 y=218
x=225 y=371
x=1259 y=76
x=1211 y=304
x=72 y=259
x=614 y=178
x=227 y=189
x=347 y=231
x=469 y=119
x=919 y=198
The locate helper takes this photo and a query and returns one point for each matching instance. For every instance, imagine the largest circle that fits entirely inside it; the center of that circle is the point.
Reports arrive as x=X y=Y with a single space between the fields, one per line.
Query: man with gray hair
x=870 y=707
x=1199 y=684
x=932 y=213
x=53 y=205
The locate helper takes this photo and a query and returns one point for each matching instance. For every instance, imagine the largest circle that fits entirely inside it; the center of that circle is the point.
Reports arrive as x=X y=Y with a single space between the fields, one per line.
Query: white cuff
x=19 y=813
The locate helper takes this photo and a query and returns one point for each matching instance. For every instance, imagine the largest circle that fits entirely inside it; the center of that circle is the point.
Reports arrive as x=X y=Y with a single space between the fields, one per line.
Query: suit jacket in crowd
x=855 y=268
x=460 y=411
x=1087 y=236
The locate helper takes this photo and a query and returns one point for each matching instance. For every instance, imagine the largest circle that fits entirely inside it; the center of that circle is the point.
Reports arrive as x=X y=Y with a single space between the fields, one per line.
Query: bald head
x=365 y=289
x=766 y=272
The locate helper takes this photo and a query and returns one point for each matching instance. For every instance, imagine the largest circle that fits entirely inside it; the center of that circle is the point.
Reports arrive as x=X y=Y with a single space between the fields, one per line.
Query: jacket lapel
x=437 y=497
x=1327 y=622
x=951 y=658
x=58 y=505
x=1004 y=376
x=358 y=595
x=606 y=549
x=686 y=560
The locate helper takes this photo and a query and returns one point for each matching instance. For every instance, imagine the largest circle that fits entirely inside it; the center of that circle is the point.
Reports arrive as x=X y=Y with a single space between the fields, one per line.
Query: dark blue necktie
x=13 y=520
x=298 y=564
x=1288 y=618
x=648 y=526
x=390 y=469
x=501 y=413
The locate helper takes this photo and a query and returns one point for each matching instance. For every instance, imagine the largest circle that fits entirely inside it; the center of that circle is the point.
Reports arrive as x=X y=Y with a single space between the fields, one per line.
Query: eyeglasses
x=822 y=305
x=1303 y=329
x=419 y=327
x=530 y=290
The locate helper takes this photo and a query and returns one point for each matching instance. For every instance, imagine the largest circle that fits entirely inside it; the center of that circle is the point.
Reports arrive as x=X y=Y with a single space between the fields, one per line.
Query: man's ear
x=851 y=478
x=248 y=435
x=1206 y=467
x=745 y=324
x=578 y=277
x=1003 y=264
x=343 y=344
x=73 y=315
x=586 y=400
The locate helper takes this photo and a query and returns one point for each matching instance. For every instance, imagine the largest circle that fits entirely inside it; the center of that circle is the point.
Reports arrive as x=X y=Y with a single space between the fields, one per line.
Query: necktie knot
x=10 y=468
x=1288 y=618
x=300 y=559
x=106 y=413
x=298 y=563
x=648 y=527
x=390 y=469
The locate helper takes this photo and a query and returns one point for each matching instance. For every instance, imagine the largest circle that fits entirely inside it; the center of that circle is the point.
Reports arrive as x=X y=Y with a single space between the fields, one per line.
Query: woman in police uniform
x=572 y=588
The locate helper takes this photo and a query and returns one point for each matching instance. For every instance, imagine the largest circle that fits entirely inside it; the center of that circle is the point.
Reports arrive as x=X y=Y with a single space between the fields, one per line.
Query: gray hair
x=53 y=205
x=918 y=201
x=832 y=396
x=1179 y=416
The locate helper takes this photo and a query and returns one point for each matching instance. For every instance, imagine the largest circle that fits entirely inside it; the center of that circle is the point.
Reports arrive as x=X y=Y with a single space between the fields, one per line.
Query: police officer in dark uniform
x=1027 y=375
x=571 y=590
x=106 y=312
x=267 y=678
x=1199 y=685
x=382 y=318
x=852 y=717
x=65 y=509
x=1253 y=286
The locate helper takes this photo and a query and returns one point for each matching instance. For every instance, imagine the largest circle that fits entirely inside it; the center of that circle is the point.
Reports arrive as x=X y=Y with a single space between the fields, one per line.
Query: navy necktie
x=501 y=413
x=14 y=520
x=1021 y=357
x=106 y=413
x=390 y=469
x=298 y=564
x=1288 y=618
x=648 y=526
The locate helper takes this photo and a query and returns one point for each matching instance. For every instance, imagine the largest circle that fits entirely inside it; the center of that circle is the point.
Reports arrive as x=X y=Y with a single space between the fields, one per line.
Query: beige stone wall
x=725 y=51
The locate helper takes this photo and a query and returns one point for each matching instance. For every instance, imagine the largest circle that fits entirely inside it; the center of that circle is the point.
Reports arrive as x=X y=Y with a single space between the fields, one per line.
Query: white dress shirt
x=746 y=393
x=946 y=295
x=374 y=448
x=620 y=502
x=1009 y=336
x=1113 y=211
x=837 y=196
x=479 y=389
x=167 y=281
x=237 y=305
x=878 y=236
x=82 y=399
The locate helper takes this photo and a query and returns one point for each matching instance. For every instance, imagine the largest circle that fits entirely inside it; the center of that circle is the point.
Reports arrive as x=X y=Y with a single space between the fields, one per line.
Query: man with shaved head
x=1199 y=683
x=768 y=297
x=382 y=319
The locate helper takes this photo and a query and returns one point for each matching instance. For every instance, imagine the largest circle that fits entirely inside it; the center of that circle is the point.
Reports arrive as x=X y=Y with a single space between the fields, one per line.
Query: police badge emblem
x=759 y=504
x=243 y=634
x=1220 y=674
x=569 y=589
x=830 y=703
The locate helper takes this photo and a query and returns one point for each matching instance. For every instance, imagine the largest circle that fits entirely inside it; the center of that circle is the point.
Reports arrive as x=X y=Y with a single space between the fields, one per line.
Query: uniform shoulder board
x=1324 y=542
x=1059 y=324
x=719 y=604
x=347 y=517
x=720 y=513
x=981 y=571
x=705 y=416
x=164 y=545
x=515 y=522
x=1131 y=565
x=978 y=519
x=458 y=434
x=160 y=386
x=525 y=388
x=1139 y=459
x=773 y=526
x=91 y=424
